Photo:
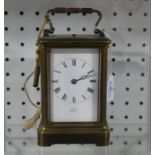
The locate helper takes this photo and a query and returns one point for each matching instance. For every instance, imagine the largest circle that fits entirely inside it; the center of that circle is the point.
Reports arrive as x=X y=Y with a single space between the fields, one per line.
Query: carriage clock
x=73 y=85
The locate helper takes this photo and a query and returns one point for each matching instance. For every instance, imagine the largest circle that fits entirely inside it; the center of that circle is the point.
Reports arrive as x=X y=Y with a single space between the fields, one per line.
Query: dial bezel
x=49 y=51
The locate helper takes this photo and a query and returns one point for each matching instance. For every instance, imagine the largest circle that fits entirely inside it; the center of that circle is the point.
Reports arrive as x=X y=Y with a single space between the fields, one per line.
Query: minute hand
x=85 y=77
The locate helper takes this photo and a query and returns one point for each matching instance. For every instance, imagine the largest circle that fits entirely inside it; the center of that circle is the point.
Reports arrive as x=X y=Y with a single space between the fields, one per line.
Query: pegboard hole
x=140 y=117
x=22 y=89
x=129 y=44
x=22 y=74
x=7 y=74
x=143 y=59
x=9 y=143
x=114 y=44
x=8 y=103
x=8 y=89
x=22 y=44
x=111 y=129
x=37 y=28
x=125 y=129
x=144 y=29
x=113 y=59
x=7 y=59
x=5 y=12
x=22 y=28
x=145 y=14
x=114 y=29
x=114 y=74
x=140 y=129
x=112 y=103
x=52 y=13
x=141 y=103
x=127 y=74
x=84 y=14
x=127 y=89
x=37 y=13
x=128 y=59
x=24 y=143
x=68 y=29
x=125 y=143
x=6 y=28
x=23 y=103
x=129 y=29
x=38 y=103
x=142 y=74
x=68 y=14
x=126 y=116
x=126 y=102
x=6 y=44
x=9 y=129
x=21 y=13
x=83 y=29
x=23 y=117
x=139 y=142
x=38 y=89
x=130 y=14
x=141 y=88
x=111 y=143
x=144 y=45
x=114 y=13
x=22 y=59
x=111 y=117
x=9 y=117
x=23 y=130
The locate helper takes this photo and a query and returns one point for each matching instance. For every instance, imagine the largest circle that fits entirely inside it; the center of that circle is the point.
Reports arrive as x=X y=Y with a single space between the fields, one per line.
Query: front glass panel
x=73 y=85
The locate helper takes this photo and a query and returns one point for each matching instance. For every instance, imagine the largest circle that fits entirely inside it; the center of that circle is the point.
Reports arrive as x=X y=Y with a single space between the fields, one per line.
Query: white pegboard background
x=127 y=22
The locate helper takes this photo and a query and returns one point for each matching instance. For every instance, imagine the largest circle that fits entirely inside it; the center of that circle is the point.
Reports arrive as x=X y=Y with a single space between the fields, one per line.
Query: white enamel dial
x=74 y=85
x=74 y=80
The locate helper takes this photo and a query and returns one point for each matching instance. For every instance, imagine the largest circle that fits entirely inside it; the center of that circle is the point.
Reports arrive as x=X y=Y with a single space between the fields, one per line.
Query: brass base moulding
x=98 y=136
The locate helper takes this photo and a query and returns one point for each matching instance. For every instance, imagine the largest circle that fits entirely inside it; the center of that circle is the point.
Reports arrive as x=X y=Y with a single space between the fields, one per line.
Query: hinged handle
x=47 y=20
x=76 y=10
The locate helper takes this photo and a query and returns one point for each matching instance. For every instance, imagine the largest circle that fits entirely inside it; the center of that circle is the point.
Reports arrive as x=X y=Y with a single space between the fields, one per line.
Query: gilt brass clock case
x=73 y=132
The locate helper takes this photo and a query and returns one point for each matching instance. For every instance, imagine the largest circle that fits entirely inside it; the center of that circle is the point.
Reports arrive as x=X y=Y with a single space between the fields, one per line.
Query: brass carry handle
x=76 y=10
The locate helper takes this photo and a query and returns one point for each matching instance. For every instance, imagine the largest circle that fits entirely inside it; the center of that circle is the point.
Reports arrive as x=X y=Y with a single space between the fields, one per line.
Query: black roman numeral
x=55 y=81
x=92 y=81
x=74 y=99
x=64 y=64
x=84 y=97
x=90 y=90
x=57 y=71
x=74 y=62
x=90 y=71
x=64 y=97
x=57 y=90
x=83 y=64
